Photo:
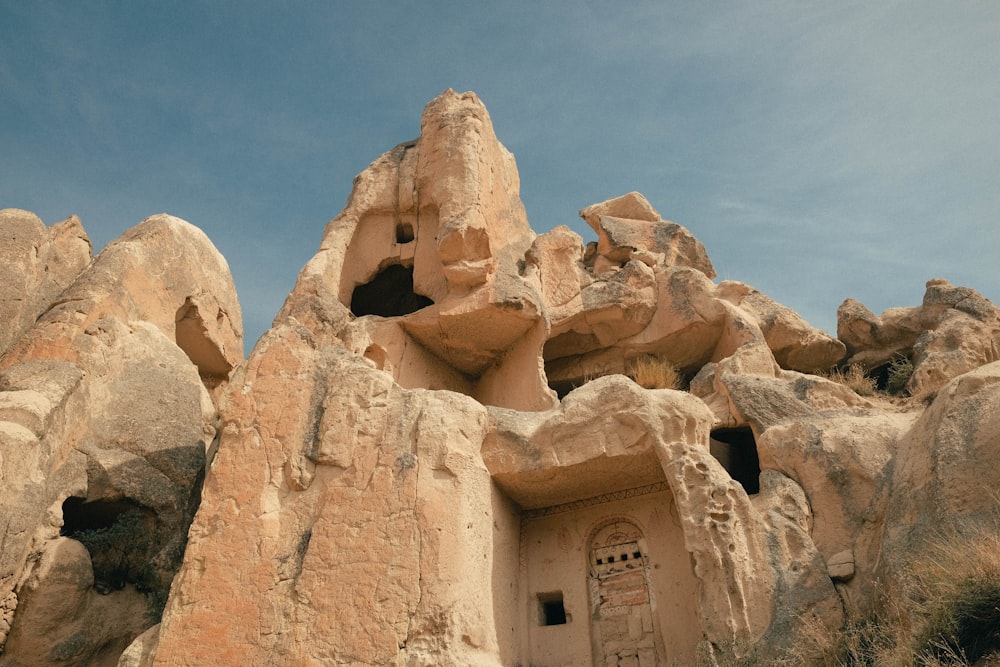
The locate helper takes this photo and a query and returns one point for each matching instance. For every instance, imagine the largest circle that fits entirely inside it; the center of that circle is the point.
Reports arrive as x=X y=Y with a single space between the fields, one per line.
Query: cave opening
x=551 y=610
x=120 y=537
x=404 y=233
x=389 y=294
x=736 y=450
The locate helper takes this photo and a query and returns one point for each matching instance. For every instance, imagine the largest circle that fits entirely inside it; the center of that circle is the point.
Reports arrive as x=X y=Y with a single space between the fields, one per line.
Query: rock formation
x=105 y=419
x=444 y=452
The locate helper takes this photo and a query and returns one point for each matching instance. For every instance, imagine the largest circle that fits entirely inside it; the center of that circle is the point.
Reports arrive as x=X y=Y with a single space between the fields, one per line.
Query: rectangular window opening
x=550 y=609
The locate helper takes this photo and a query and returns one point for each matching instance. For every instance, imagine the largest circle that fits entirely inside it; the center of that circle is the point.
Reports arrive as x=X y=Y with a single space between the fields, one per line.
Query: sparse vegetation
x=899 y=373
x=121 y=554
x=855 y=378
x=652 y=372
x=946 y=612
x=890 y=379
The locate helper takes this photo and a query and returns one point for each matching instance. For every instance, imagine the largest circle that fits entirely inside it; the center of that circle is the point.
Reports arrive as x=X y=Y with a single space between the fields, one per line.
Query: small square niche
x=550 y=609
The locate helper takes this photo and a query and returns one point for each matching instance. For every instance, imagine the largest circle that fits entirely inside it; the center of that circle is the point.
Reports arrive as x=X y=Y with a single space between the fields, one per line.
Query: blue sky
x=819 y=150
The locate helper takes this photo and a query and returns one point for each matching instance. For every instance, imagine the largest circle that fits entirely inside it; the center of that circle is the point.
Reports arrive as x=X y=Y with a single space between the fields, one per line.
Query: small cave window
x=736 y=450
x=550 y=609
x=389 y=294
x=404 y=232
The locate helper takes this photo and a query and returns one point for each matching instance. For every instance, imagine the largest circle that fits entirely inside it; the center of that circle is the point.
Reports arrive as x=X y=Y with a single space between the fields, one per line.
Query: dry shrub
x=958 y=592
x=946 y=612
x=868 y=641
x=652 y=372
x=854 y=378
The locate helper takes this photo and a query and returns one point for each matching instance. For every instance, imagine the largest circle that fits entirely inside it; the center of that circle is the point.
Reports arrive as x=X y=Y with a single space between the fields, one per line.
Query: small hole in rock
x=404 y=232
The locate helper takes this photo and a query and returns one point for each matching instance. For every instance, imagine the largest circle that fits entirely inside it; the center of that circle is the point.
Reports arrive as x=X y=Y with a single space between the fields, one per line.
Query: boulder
x=796 y=345
x=628 y=227
x=954 y=331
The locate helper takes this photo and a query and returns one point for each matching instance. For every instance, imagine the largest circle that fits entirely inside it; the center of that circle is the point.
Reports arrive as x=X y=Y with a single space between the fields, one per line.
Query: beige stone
x=435 y=457
x=106 y=422
x=435 y=232
x=841 y=566
x=36 y=264
x=61 y=619
x=142 y=649
x=419 y=533
x=629 y=224
x=954 y=331
x=945 y=468
x=796 y=345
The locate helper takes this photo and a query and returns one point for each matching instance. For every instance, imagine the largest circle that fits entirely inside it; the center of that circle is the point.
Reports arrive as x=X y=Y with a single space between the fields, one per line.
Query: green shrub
x=899 y=373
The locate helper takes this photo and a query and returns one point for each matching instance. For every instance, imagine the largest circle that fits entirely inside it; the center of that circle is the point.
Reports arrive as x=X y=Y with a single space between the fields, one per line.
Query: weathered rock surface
x=105 y=424
x=36 y=264
x=439 y=224
x=947 y=462
x=954 y=331
x=385 y=521
x=435 y=456
x=628 y=227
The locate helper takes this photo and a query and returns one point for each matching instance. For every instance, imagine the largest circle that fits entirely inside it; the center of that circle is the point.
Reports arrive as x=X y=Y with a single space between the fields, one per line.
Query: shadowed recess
x=736 y=450
x=388 y=294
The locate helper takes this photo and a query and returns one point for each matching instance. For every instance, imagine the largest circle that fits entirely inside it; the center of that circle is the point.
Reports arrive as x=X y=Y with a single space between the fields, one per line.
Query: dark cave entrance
x=736 y=450
x=82 y=516
x=388 y=294
x=404 y=233
x=120 y=536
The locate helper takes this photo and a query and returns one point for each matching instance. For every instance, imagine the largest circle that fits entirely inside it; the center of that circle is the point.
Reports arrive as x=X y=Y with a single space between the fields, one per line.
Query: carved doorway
x=624 y=630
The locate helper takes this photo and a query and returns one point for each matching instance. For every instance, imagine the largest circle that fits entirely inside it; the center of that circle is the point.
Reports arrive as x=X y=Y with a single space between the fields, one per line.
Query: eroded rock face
x=442 y=217
x=36 y=264
x=456 y=517
x=628 y=228
x=954 y=331
x=105 y=423
x=947 y=460
x=435 y=456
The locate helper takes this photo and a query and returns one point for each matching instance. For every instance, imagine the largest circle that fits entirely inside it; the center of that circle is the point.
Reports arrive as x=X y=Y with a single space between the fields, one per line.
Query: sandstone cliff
x=462 y=443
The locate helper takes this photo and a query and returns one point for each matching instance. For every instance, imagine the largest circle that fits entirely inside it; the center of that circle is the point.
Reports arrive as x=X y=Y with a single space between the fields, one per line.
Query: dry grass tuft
x=947 y=612
x=854 y=378
x=652 y=372
x=959 y=591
